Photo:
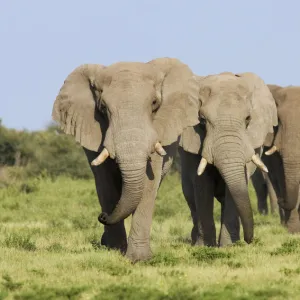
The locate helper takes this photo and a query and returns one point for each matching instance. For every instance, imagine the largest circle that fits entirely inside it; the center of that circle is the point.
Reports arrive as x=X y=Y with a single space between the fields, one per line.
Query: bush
x=41 y=152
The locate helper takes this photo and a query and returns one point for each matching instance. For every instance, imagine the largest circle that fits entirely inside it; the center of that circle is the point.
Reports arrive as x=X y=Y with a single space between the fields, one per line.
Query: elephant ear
x=179 y=93
x=263 y=110
x=75 y=107
x=191 y=139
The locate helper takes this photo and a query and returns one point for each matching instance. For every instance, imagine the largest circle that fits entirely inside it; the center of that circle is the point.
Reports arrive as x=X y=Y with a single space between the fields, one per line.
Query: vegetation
x=49 y=240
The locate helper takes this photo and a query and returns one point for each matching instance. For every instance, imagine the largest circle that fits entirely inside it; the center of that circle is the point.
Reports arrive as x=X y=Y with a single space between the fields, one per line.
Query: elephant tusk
x=271 y=150
x=159 y=149
x=202 y=166
x=258 y=162
x=100 y=158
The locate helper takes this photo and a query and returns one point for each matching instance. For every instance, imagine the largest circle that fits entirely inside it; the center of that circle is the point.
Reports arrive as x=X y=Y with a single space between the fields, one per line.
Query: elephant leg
x=230 y=223
x=139 y=237
x=108 y=183
x=260 y=187
x=292 y=219
x=188 y=192
x=204 y=197
x=189 y=163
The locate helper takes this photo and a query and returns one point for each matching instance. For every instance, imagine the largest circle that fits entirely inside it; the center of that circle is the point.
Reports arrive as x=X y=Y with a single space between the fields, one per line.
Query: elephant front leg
x=204 y=198
x=108 y=183
x=189 y=195
x=292 y=220
x=139 y=237
x=230 y=223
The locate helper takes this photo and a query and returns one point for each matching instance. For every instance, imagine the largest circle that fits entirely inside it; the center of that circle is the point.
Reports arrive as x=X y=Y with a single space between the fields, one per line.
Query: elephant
x=128 y=117
x=286 y=142
x=237 y=112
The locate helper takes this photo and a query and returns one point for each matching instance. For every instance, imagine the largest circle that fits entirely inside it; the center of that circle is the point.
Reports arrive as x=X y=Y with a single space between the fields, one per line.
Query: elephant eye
x=155 y=105
x=247 y=121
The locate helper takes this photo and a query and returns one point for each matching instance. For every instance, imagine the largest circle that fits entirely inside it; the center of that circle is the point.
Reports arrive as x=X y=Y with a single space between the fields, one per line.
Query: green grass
x=49 y=249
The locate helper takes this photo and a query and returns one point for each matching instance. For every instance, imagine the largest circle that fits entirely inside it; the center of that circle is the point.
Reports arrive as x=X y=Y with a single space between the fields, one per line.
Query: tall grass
x=49 y=249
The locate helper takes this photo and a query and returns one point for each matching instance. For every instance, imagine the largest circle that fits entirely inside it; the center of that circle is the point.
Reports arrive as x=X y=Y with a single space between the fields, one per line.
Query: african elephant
x=287 y=143
x=123 y=115
x=238 y=111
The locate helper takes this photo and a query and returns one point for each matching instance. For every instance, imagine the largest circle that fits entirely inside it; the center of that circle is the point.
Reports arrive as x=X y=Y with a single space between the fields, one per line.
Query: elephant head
x=127 y=111
x=239 y=112
x=287 y=141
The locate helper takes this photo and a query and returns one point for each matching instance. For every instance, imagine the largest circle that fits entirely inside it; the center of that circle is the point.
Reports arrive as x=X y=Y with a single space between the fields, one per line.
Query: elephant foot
x=195 y=236
x=228 y=238
x=138 y=252
x=115 y=238
x=199 y=240
x=293 y=228
x=292 y=220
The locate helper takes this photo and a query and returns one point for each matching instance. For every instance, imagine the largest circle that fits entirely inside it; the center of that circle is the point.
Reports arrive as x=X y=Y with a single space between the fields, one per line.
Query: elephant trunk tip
x=103 y=218
x=248 y=240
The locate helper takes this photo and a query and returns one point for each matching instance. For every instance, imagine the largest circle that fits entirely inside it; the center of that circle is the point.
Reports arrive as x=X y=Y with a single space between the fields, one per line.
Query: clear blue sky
x=41 y=42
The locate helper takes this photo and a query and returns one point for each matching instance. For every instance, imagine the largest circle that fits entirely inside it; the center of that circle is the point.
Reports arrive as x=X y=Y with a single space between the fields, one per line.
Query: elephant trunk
x=133 y=174
x=131 y=156
x=230 y=161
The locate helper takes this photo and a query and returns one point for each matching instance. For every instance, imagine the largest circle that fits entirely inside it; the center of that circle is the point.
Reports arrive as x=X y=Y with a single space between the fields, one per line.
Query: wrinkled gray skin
x=287 y=142
x=239 y=112
x=127 y=108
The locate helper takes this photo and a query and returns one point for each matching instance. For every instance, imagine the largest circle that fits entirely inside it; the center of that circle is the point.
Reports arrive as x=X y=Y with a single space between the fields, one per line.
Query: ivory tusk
x=159 y=149
x=100 y=158
x=258 y=162
x=202 y=166
x=271 y=150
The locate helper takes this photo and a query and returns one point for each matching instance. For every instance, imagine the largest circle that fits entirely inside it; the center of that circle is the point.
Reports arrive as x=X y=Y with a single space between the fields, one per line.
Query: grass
x=49 y=249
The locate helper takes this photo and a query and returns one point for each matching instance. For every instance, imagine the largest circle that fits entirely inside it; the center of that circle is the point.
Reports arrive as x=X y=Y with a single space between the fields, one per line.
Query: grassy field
x=49 y=250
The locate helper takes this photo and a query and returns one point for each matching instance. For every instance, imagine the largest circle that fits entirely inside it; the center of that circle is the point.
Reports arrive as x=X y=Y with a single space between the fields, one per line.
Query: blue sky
x=43 y=41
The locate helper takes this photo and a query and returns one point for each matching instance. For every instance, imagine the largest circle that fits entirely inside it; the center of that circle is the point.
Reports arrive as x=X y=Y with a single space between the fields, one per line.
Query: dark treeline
x=46 y=152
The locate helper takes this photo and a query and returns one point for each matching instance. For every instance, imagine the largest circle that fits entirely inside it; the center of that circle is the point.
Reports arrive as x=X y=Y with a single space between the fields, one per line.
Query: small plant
x=289 y=247
x=20 y=242
x=132 y=292
x=55 y=247
x=9 y=284
x=116 y=270
x=38 y=293
x=97 y=245
x=166 y=259
x=172 y=273
x=288 y=272
x=29 y=187
x=39 y=272
x=208 y=254
x=234 y=264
